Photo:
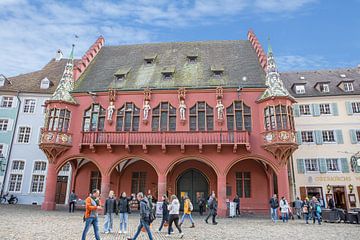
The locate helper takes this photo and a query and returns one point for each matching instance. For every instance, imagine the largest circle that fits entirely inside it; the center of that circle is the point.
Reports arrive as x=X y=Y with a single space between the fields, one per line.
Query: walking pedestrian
x=237 y=202
x=212 y=203
x=188 y=207
x=284 y=206
x=124 y=210
x=306 y=210
x=144 y=217
x=202 y=205
x=315 y=210
x=274 y=204
x=72 y=201
x=331 y=203
x=298 y=205
x=165 y=213
x=109 y=211
x=174 y=208
x=91 y=215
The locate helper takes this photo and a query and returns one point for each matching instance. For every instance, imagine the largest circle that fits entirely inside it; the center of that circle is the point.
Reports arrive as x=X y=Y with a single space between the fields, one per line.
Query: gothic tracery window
x=128 y=118
x=94 y=118
x=238 y=116
x=201 y=117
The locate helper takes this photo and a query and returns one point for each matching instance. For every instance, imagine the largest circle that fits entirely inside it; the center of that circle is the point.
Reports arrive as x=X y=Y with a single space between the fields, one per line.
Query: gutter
x=11 y=144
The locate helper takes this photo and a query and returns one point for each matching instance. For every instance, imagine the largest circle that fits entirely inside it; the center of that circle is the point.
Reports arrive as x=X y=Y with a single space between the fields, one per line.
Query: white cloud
x=281 y=5
x=296 y=62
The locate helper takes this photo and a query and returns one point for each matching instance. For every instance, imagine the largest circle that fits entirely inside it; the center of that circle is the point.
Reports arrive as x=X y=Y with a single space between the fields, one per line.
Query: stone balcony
x=164 y=139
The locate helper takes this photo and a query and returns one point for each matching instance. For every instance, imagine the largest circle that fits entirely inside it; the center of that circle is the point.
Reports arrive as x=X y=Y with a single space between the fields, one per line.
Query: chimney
x=59 y=55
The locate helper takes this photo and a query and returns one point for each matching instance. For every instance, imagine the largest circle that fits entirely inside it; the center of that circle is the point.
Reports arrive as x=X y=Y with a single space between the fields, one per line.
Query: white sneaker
x=167 y=235
x=158 y=231
x=120 y=232
x=181 y=235
x=106 y=232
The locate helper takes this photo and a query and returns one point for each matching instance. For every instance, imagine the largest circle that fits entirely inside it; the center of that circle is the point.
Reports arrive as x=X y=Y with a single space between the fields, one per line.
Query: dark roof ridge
x=321 y=70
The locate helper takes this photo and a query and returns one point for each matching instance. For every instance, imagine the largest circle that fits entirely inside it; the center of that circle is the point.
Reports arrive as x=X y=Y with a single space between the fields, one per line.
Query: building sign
x=336 y=179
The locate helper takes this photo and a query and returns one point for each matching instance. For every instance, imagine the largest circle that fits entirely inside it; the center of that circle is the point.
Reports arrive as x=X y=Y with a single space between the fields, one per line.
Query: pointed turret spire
x=66 y=84
x=275 y=86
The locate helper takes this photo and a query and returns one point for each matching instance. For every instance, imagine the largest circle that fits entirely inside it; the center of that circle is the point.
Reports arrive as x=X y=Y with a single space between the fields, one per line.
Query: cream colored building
x=327 y=120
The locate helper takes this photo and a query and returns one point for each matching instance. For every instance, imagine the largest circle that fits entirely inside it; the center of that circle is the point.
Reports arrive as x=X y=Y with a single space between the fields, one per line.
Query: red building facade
x=182 y=118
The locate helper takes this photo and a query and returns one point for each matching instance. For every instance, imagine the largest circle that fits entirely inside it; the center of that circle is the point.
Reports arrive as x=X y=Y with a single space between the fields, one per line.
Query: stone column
x=221 y=195
x=161 y=186
x=283 y=183
x=105 y=188
x=50 y=191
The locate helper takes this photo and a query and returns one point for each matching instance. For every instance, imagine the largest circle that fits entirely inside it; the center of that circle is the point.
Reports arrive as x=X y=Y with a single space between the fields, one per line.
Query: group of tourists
x=170 y=213
x=309 y=209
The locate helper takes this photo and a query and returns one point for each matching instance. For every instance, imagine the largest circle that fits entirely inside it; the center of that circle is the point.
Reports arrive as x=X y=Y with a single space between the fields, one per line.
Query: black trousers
x=201 y=210
x=212 y=213
x=71 y=206
x=237 y=210
x=174 y=218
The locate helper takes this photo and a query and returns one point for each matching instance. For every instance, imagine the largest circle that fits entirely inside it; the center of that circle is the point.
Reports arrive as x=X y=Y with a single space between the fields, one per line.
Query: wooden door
x=61 y=187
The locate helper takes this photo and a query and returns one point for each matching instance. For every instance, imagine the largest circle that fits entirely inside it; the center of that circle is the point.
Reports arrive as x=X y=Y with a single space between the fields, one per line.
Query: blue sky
x=305 y=34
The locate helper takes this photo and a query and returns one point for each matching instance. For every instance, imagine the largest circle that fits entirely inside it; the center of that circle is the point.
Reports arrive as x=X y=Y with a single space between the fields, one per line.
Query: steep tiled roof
x=237 y=58
x=333 y=77
x=30 y=82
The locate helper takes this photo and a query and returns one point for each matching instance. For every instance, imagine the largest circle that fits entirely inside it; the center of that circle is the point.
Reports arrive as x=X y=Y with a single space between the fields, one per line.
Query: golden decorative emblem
x=269 y=137
x=284 y=136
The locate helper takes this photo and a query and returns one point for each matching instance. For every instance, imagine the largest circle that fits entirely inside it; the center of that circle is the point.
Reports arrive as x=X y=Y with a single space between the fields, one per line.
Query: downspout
x=293 y=183
x=12 y=142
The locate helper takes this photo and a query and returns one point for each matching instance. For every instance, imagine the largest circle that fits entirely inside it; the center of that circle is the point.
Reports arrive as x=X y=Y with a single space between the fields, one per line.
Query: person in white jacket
x=284 y=209
x=174 y=208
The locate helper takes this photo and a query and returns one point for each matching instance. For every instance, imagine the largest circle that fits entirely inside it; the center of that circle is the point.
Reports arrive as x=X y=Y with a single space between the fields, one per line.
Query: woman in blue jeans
x=124 y=210
x=284 y=209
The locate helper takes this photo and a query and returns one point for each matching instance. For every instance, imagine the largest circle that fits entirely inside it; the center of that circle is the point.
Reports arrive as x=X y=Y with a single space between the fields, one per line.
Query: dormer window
x=2 y=81
x=217 y=71
x=324 y=87
x=149 y=60
x=168 y=72
x=302 y=78
x=300 y=89
x=121 y=74
x=342 y=75
x=348 y=87
x=192 y=58
x=45 y=83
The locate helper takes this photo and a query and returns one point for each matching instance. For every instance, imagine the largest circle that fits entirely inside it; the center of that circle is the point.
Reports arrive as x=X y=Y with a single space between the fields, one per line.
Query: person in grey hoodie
x=144 y=216
x=110 y=210
x=174 y=209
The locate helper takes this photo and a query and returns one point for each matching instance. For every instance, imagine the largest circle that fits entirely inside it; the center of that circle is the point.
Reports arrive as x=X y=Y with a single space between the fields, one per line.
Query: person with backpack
x=124 y=209
x=315 y=209
x=91 y=215
x=165 y=213
x=274 y=204
x=212 y=204
x=306 y=210
x=237 y=203
x=202 y=205
x=188 y=208
x=109 y=211
x=298 y=205
x=145 y=217
x=174 y=208
x=284 y=206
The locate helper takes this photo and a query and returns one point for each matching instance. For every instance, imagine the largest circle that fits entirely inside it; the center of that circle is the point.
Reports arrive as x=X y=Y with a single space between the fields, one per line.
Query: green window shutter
x=335 y=110
x=296 y=110
x=315 y=109
x=298 y=137
x=300 y=165
x=353 y=138
x=339 y=136
x=349 y=109
x=322 y=164
x=344 y=165
x=318 y=137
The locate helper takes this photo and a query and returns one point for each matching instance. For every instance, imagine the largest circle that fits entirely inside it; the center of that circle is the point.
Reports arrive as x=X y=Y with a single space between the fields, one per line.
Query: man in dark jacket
x=202 y=205
x=144 y=217
x=274 y=204
x=331 y=203
x=110 y=210
x=165 y=212
x=72 y=201
x=212 y=208
x=124 y=209
x=237 y=202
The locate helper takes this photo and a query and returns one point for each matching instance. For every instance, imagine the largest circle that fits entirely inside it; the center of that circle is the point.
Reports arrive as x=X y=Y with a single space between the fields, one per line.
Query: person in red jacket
x=91 y=215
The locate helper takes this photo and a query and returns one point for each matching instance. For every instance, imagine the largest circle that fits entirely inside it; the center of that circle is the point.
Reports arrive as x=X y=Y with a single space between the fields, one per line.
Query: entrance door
x=339 y=197
x=61 y=187
x=193 y=184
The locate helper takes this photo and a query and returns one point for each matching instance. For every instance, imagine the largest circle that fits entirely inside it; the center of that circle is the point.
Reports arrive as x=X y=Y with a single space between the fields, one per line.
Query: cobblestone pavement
x=29 y=222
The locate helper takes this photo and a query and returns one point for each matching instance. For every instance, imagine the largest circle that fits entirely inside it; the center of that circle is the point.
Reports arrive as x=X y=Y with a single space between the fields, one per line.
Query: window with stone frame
x=29 y=106
x=58 y=120
x=325 y=108
x=138 y=182
x=305 y=109
x=328 y=136
x=24 y=135
x=39 y=166
x=4 y=123
x=278 y=117
x=37 y=183
x=7 y=102
x=243 y=184
x=355 y=107
x=18 y=165
x=164 y=117
x=94 y=118
x=15 y=181
x=128 y=118
x=332 y=165
x=238 y=116
x=201 y=117
x=307 y=136
x=311 y=165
